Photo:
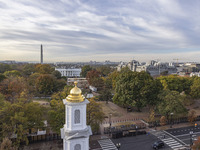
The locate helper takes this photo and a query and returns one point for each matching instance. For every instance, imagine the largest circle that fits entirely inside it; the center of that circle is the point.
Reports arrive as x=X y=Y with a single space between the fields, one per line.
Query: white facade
x=70 y=72
x=75 y=133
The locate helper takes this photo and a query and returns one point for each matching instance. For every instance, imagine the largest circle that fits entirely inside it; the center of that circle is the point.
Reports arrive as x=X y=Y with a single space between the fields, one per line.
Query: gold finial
x=75 y=83
x=75 y=95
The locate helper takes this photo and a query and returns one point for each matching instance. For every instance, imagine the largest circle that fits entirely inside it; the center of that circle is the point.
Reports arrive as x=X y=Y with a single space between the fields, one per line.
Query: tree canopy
x=136 y=89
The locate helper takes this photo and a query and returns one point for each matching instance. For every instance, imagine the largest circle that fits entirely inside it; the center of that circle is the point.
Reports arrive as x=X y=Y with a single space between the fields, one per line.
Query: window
x=77 y=116
x=77 y=147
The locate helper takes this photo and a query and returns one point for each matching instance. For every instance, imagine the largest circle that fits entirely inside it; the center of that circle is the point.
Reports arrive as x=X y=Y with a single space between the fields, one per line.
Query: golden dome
x=75 y=95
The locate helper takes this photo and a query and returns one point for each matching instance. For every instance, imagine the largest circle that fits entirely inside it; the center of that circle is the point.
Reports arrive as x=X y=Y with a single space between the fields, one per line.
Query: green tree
x=2 y=77
x=18 y=117
x=136 y=89
x=28 y=69
x=57 y=74
x=5 y=67
x=85 y=69
x=176 y=83
x=45 y=84
x=195 y=88
x=57 y=115
x=95 y=115
x=104 y=70
x=13 y=73
x=105 y=95
x=171 y=102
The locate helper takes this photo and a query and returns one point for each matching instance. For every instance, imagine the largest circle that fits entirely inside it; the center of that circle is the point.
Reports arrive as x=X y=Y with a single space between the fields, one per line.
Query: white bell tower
x=75 y=133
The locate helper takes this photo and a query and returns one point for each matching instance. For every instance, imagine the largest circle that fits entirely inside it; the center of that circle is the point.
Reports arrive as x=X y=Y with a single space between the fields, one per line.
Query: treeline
x=20 y=116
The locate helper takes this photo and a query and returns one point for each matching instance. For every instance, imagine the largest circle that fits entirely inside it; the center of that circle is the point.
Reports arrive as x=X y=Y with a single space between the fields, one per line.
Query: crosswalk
x=168 y=140
x=175 y=145
x=107 y=144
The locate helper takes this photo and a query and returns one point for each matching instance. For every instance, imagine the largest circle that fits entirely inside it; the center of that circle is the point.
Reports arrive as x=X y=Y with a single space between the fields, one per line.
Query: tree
x=57 y=115
x=7 y=145
x=176 y=83
x=171 y=102
x=105 y=95
x=57 y=74
x=136 y=89
x=28 y=69
x=94 y=79
x=85 y=69
x=12 y=87
x=196 y=145
x=44 y=68
x=13 y=73
x=192 y=116
x=18 y=117
x=163 y=121
x=2 y=77
x=195 y=88
x=113 y=78
x=104 y=70
x=5 y=67
x=45 y=84
x=95 y=115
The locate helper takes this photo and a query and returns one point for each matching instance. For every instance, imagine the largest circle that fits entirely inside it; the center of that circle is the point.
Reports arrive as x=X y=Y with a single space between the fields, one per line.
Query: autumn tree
x=192 y=116
x=163 y=121
x=85 y=69
x=94 y=79
x=196 y=144
x=44 y=68
x=12 y=87
x=7 y=145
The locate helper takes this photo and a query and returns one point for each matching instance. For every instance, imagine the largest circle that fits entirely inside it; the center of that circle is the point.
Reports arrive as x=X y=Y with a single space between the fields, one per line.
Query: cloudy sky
x=84 y=30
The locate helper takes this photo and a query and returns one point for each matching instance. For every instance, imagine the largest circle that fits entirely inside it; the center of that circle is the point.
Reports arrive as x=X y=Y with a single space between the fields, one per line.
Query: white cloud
x=98 y=29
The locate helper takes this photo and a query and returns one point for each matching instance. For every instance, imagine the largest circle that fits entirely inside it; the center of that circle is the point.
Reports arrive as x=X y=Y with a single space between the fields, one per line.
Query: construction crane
x=176 y=61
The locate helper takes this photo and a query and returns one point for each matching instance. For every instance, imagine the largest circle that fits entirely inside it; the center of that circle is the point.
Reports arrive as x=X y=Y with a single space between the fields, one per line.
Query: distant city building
x=195 y=74
x=153 y=67
x=70 y=72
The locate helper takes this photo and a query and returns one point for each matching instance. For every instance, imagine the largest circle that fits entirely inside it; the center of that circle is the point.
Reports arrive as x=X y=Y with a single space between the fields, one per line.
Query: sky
x=99 y=30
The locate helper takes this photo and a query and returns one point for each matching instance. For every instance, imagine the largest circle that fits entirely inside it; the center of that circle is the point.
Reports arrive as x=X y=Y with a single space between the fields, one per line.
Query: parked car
x=158 y=144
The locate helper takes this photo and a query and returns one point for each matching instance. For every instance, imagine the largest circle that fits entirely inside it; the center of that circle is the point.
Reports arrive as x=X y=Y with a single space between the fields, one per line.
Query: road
x=183 y=134
x=174 y=139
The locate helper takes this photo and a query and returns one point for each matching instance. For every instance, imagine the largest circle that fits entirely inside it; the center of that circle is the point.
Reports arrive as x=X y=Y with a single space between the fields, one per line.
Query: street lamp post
x=171 y=114
x=110 y=115
x=118 y=145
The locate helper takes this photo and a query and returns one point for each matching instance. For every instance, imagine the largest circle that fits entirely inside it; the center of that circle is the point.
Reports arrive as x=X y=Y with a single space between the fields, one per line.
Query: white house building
x=75 y=133
x=70 y=72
